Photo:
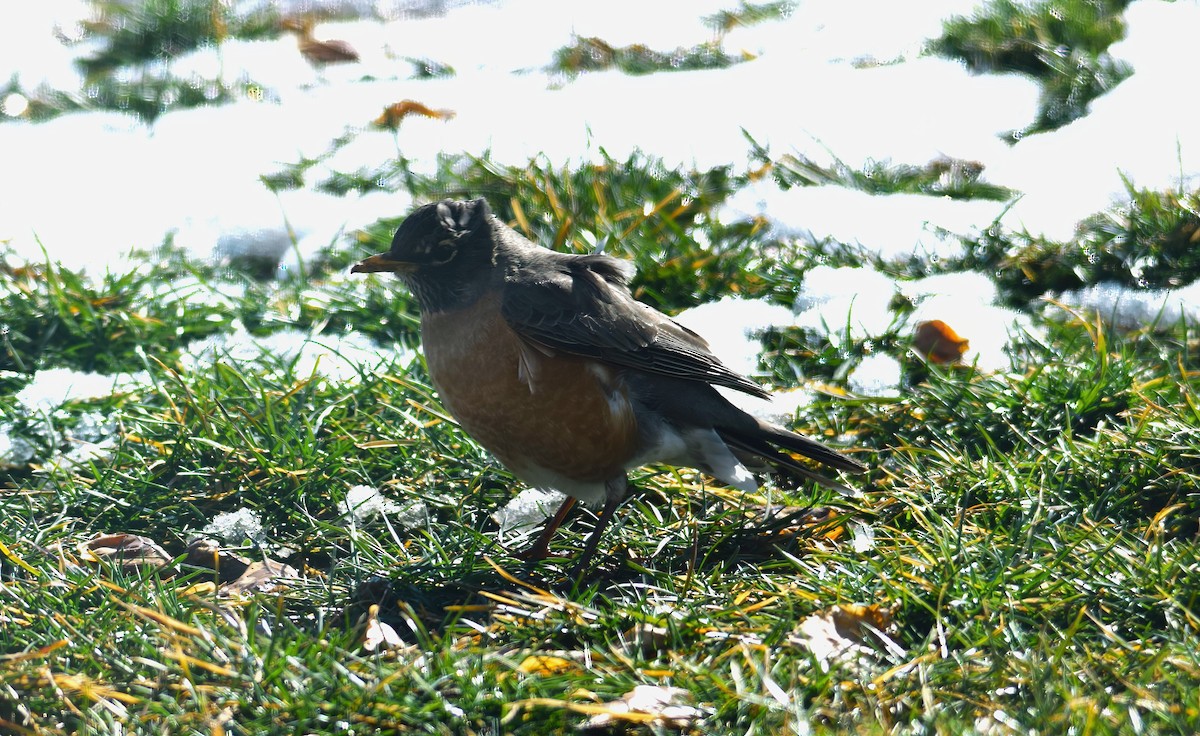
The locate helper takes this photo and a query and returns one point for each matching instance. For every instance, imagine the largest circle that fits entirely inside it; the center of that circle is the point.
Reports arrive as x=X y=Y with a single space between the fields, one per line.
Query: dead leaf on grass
x=266 y=576
x=653 y=705
x=236 y=573
x=379 y=635
x=939 y=343
x=130 y=552
x=395 y=113
x=850 y=634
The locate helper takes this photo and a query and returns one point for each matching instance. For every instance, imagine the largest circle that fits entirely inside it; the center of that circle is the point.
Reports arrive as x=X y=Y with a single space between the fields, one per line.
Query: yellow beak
x=382 y=262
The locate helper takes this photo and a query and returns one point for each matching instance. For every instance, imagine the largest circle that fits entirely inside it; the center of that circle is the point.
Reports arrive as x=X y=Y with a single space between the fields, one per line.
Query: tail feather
x=809 y=448
x=763 y=444
x=697 y=412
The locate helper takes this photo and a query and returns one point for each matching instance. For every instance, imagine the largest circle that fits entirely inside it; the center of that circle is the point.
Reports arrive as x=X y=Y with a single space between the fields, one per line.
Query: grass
x=160 y=29
x=1063 y=44
x=941 y=177
x=591 y=54
x=1146 y=242
x=1025 y=540
x=1033 y=531
x=128 y=71
x=748 y=14
x=146 y=94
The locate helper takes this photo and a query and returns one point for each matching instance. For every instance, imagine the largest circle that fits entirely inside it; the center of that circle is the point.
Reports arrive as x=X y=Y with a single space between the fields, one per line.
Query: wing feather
x=582 y=305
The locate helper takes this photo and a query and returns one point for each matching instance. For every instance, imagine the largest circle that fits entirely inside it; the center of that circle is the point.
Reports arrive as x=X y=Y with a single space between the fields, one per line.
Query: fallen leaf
x=130 y=552
x=538 y=664
x=261 y=577
x=655 y=705
x=840 y=634
x=379 y=635
x=205 y=588
x=938 y=342
x=395 y=113
x=206 y=553
x=237 y=574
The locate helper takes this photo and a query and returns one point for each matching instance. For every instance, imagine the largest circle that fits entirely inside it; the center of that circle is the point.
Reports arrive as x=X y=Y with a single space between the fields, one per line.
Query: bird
x=318 y=53
x=550 y=363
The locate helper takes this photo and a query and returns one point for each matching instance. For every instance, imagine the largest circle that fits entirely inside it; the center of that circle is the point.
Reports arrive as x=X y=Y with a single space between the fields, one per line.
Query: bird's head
x=443 y=251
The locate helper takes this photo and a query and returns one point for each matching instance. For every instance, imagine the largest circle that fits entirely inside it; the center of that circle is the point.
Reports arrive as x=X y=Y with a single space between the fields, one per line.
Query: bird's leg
x=541 y=548
x=589 y=548
x=615 y=492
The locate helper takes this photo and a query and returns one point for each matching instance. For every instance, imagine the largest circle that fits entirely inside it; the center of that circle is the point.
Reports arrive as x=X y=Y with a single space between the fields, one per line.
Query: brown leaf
x=236 y=573
x=261 y=577
x=206 y=553
x=938 y=342
x=130 y=552
x=395 y=113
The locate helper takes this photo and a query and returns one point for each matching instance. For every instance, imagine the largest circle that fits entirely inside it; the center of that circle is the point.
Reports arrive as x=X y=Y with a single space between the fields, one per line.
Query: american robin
x=548 y=361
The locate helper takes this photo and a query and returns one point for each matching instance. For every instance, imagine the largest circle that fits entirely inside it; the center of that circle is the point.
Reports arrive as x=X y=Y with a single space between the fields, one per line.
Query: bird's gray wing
x=582 y=306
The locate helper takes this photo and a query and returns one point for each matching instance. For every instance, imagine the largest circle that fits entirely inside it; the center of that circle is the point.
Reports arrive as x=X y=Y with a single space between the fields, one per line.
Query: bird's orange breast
x=564 y=413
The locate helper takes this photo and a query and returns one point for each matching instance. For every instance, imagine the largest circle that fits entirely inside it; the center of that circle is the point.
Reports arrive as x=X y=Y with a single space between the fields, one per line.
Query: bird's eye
x=443 y=252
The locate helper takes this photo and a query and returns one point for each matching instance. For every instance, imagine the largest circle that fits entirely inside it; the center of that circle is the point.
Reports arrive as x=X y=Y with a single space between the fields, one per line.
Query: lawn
x=1021 y=556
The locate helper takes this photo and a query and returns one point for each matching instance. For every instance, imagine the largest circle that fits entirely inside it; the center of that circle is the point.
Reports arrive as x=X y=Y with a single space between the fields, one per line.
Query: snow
x=110 y=182
x=837 y=81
